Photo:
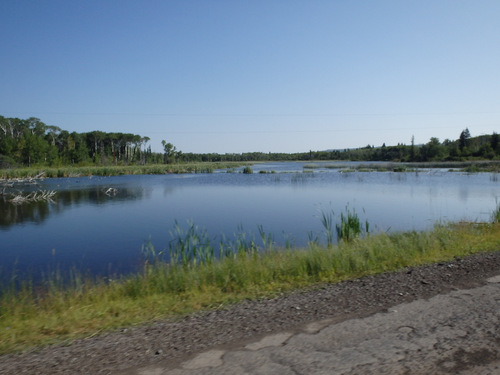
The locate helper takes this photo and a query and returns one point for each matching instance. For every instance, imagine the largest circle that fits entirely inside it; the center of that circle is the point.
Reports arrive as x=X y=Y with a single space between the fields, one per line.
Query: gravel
x=171 y=342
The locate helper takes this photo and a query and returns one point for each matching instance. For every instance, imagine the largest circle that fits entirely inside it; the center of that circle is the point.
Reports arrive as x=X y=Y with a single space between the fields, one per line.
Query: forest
x=30 y=142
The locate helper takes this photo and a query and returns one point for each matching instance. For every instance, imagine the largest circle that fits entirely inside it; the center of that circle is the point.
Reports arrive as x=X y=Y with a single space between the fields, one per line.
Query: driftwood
x=11 y=182
x=35 y=196
x=19 y=197
x=110 y=192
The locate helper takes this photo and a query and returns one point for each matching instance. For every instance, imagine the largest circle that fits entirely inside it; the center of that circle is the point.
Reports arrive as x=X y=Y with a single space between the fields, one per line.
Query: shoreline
x=171 y=342
x=470 y=166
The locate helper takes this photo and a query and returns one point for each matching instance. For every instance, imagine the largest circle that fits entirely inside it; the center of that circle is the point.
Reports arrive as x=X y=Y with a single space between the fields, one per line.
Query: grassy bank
x=209 y=167
x=52 y=172
x=54 y=313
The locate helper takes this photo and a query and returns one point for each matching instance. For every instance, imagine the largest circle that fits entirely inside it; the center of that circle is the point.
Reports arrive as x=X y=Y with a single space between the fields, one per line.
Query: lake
x=99 y=224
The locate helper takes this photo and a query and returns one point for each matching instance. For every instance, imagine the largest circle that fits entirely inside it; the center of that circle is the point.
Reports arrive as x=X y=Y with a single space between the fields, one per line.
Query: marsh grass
x=495 y=215
x=57 y=312
x=350 y=226
x=327 y=222
x=472 y=166
x=348 y=229
x=54 y=172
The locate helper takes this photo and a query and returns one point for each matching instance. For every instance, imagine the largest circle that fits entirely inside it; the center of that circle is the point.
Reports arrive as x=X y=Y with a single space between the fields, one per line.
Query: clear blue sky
x=256 y=75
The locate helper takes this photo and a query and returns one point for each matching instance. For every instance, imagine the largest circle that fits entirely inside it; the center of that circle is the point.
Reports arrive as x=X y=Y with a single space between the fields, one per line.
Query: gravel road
x=167 y=344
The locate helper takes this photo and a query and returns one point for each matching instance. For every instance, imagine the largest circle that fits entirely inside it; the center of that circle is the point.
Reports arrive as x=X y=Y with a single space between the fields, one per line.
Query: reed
x=116 y=170
x=495 y=215
x=327 y=222
x=350 y=226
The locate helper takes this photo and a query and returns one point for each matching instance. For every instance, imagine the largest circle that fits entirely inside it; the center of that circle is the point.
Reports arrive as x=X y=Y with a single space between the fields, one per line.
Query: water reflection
x=13 y=214
x=100 y=196
x=39 y=211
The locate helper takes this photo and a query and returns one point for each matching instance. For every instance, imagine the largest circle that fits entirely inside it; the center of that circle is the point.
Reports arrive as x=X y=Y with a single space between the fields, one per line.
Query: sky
x=233 y=76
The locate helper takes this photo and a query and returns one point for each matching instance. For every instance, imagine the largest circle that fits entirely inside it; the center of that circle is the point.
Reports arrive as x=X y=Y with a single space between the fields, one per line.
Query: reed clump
x=190 y=275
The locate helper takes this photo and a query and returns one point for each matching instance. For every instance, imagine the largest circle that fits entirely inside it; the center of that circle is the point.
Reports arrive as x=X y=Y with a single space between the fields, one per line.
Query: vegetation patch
x=51 y=172
x=465 y=166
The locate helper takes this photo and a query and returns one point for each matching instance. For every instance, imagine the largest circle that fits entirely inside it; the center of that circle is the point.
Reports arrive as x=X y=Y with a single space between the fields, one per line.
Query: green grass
x=50 y=172
x=57 y=313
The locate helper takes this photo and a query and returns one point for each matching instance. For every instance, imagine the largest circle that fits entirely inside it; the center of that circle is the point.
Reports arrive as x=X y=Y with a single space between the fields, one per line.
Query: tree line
x=465 y=147
x=28 y=142
x=31 y=142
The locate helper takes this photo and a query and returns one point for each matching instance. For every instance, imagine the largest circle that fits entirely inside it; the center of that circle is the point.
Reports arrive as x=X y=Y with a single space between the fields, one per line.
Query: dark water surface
x=100 y=231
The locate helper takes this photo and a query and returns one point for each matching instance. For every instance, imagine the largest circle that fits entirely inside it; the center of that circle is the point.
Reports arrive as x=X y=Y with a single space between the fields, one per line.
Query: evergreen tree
x=463 y=141
x=495 y=142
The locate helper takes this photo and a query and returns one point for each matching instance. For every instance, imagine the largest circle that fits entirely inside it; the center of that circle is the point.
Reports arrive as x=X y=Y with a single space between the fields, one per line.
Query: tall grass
x=54 y=172
x=350 y=226
x=327 y=222
x=495 y=215
x=193 y=278
x=347 y=229
x=247 y=170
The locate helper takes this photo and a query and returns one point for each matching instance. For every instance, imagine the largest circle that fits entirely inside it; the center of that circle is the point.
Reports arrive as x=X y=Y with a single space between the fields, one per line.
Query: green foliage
x=267 y=239
x=247 y=170
x=350 y=226
x=464 y=140
x=495 y=216
x=190 y=246
x=31 y=142
x=327 y=222
x=52 y=172
x=171 y=153
x=6 y=162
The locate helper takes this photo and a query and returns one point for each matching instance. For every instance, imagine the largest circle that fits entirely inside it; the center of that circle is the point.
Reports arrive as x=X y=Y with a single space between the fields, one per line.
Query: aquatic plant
x=400 y=168
x=313 y=239
x=267 y=238
x=495 y=216
x=247 y=170
x=327 y=222
x=190 y=246
x=243 y=243
x=350 y=226
x=302 y=177
x=115 y=170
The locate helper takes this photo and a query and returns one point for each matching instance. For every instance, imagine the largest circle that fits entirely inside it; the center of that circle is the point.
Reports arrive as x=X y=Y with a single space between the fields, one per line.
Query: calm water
x=92 y=231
